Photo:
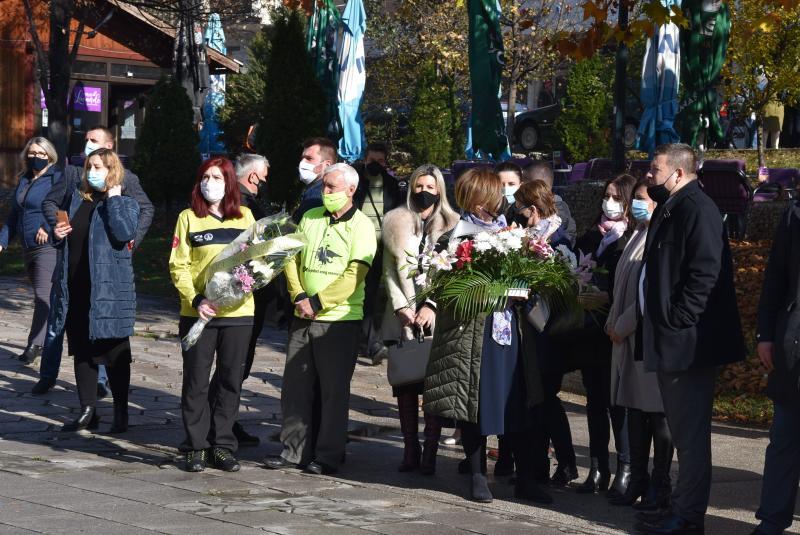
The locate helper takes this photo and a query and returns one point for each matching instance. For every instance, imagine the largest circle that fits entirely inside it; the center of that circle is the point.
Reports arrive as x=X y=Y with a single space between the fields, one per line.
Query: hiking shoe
x=196 y=461
x=223 y=459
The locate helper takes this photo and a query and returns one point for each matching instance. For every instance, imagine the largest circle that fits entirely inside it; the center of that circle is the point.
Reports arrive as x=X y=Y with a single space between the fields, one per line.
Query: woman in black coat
x=589 y=349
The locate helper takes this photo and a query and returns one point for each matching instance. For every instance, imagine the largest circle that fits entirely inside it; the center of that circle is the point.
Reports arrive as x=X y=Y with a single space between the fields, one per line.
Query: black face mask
x=659 y=192
x=35 y=164
x=374 y=169
x=262 y=189
x=424 y=199
x=520 y=220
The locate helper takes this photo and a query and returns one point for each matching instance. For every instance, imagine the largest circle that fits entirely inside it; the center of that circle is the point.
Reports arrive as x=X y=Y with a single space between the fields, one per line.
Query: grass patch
x=736 y=407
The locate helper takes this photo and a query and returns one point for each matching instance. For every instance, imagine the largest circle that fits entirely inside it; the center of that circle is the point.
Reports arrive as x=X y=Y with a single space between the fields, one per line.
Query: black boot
x=408 y=411
x=88 y=419
x=660 y=489
x=120 y=424
x=505 y=458
x=432 y=433
x=30 y=354
x=526 y=486
x=622 y=478
x=639 y=438
x=597 y=480
x=475 y=449
x=563 y=475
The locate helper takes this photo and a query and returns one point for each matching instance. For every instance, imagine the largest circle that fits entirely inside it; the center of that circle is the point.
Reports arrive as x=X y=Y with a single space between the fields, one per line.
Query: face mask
x=612 y=209
x=659 y=192
x=509 y=191
x=306 y=170
x=96 y=179
x=334 y=202
x=262 y=189
x=90 y=148
x=374 y=169
x=424 y=199
x=520 y=220
x=35 y=164
x=212 y=190
x=640 y=210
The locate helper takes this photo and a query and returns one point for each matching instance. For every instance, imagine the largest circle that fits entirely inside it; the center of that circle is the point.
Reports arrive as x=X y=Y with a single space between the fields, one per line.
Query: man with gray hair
x=326 y=284
x=251 y=172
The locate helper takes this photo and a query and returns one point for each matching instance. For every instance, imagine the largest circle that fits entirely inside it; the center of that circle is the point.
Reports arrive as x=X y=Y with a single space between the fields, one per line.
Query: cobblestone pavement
x=52 y=482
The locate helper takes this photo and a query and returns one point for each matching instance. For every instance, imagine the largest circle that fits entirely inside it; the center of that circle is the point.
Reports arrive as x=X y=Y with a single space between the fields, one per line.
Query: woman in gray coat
x=631 y=386
x=407 y=231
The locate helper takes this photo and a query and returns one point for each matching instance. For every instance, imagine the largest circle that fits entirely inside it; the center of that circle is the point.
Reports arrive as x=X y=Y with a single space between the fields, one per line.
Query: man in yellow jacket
x=326 y=284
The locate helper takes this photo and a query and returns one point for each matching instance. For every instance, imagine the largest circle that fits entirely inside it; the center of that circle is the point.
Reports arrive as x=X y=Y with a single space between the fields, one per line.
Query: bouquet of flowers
x=478 y=275
x=247 y=264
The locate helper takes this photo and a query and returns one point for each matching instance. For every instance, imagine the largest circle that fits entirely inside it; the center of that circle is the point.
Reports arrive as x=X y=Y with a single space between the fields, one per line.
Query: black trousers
x=119 y=378
x=208 y=417
x=554 y=421
x=601 y=416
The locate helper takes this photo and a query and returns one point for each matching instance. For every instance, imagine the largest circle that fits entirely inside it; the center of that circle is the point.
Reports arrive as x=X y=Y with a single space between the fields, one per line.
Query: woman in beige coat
x=631 y=386
x=407 y=231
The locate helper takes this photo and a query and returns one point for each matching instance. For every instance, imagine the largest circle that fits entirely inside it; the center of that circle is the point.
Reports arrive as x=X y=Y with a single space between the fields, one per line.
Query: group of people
x=648 y=361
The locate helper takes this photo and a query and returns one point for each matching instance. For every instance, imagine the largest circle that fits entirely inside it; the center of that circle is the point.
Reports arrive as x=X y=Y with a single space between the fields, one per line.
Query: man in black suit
x=689 y=325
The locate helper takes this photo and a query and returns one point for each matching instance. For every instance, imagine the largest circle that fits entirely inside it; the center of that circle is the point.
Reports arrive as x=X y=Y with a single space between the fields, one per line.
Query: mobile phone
x=62 y=217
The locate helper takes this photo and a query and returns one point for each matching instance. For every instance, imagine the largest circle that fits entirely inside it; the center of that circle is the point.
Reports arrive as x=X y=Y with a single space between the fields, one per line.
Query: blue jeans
x=781 y=471
x=51 y=353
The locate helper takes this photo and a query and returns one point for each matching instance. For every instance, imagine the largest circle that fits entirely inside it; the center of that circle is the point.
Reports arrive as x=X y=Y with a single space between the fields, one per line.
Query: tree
x=763 y=59
x=529 y=31
x=435 y=123
x=167 y=154
x=293 y=108
x=244 y=96
x=585 y=122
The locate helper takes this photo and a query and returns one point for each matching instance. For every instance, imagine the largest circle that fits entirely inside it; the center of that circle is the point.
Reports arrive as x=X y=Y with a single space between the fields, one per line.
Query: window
x=121 y=70
x=96 y=68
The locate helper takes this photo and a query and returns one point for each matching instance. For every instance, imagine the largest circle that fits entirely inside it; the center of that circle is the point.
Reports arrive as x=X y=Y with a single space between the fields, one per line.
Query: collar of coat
x=400 y=224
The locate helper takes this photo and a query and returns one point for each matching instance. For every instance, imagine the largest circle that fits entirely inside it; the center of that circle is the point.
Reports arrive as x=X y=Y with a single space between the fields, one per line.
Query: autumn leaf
x=592 y=11
x=656 y=12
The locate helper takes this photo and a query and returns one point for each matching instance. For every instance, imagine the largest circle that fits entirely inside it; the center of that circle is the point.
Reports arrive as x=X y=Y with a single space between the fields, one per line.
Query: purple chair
x=725 y=182
x=578 y=172
x=599 y=169
x=780 y=180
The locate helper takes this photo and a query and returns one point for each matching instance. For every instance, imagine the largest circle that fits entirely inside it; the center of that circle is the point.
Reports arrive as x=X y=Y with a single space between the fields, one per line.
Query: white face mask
x=508 y=192
x=90 y=148
x=306 y=170
x=213 y=190
x=612 y=209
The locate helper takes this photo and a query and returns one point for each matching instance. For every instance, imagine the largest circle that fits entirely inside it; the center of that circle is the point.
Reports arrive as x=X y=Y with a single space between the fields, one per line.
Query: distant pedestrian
x=318 y=154
x=26 y=221
x=690 y=324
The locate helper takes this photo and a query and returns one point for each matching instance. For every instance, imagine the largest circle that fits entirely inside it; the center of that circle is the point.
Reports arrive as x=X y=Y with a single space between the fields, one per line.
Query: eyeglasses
x=38 y=154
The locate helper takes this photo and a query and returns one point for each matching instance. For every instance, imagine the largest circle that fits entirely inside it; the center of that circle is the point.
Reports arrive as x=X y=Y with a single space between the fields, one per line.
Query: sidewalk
x=51 y=482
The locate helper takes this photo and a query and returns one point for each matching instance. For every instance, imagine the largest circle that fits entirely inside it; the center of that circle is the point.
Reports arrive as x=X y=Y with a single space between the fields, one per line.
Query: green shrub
x=167 y=153
x=294 y=107
x=435 y=133
x=584 y=124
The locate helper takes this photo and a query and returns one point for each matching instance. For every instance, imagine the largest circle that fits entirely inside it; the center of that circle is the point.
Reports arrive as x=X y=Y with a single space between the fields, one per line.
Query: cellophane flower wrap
x=248 y=263
x=477 y=276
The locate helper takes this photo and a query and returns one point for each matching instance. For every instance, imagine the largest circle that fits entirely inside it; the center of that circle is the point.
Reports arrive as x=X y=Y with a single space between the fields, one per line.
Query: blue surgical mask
x=508 y=192
x=641 y=210
x=97 y=180
x=90 y=148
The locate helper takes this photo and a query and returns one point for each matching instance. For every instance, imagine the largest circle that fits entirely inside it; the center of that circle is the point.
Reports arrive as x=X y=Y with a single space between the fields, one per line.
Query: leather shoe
x=243 y=437
x=88 y=419
x=42 y=386
x=320 y=469
x=563 y=475
x=276 y=462
x=671 y=525
x=597 y=481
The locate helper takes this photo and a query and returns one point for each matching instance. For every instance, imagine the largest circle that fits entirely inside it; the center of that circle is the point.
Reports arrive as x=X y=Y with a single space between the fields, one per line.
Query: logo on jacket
x=325 y=255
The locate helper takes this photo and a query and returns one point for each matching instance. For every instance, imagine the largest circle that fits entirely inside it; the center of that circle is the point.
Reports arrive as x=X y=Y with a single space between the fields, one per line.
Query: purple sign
x=85 y=98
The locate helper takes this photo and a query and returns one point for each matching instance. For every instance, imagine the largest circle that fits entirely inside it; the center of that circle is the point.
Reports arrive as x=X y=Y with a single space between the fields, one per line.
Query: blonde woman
x=27 y=222
x=95 y=297
x=409 y=229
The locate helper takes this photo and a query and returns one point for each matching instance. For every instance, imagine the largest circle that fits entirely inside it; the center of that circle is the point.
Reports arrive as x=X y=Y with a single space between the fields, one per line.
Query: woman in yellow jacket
x=214 y=220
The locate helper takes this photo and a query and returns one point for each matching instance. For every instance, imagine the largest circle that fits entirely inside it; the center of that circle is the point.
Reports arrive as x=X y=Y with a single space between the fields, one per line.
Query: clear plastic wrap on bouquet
x=248 y=263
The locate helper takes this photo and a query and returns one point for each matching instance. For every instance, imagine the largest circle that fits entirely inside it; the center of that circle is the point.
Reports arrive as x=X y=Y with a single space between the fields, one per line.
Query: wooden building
x=113 y=71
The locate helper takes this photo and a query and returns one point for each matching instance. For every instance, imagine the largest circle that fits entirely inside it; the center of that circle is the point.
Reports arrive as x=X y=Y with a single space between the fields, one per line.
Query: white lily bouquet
x=247 y=264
